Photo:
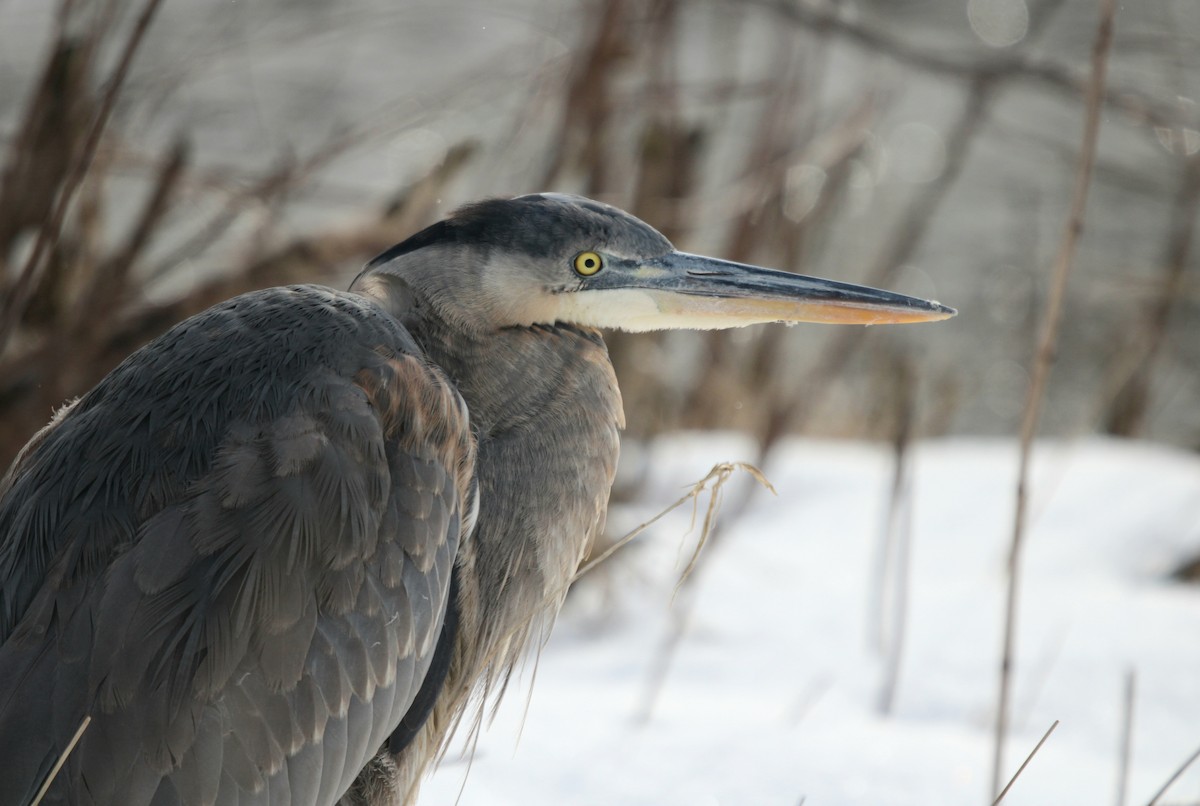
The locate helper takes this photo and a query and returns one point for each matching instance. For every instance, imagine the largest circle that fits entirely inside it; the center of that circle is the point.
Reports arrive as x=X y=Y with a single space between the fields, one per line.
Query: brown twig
x=319 y=256
x=717 y=477
x=1001 y=67
x=903 y=241
x=585 y=130
x=712 y=483
x=49 y=232
x=45 y=140
x=1043 y=361
x=1024 y=764
x=898 y=249
x=770 y=148
x=107 y=285
x=1127 y=411
x=270 y=189
x=681 y=613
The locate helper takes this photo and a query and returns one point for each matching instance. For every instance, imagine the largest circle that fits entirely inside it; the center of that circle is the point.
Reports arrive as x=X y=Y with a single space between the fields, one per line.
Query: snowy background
x=773 y=694
x=304 y=125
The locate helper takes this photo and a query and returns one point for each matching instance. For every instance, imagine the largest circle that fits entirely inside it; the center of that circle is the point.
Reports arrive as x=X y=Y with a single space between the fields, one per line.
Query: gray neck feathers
x=546 y=412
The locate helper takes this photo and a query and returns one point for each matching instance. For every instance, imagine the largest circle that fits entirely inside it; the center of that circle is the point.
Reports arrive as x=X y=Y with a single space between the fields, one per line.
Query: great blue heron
x=273 y=554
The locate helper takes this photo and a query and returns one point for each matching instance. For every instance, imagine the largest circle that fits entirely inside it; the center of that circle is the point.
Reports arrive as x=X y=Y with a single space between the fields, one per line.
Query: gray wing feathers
x=258 y=635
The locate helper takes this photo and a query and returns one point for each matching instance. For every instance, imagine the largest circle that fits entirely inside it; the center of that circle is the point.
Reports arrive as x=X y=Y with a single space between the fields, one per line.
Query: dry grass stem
x=719 y=475
x=62 y=759
x=1123 y=762
x=1025 y=763
x=891 y=585
x=1174 y=777
x=48 y=233
x=712 y=483
x=681 y=613
x=1043 y=361
x=717 y=478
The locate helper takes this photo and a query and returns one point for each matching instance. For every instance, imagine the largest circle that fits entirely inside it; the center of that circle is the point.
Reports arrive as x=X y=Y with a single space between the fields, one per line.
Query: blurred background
x=923 y=145
x=158 y=156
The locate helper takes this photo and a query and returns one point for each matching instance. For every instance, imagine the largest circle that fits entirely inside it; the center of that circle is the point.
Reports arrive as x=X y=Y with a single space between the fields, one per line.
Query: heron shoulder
x=261 y=366
x=269 y=498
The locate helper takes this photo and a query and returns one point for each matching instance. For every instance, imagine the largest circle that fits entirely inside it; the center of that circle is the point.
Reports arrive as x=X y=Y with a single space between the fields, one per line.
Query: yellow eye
x=588 y=263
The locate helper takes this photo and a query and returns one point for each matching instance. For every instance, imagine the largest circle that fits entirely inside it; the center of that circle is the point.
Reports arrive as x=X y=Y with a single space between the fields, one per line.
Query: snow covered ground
x=773 y=694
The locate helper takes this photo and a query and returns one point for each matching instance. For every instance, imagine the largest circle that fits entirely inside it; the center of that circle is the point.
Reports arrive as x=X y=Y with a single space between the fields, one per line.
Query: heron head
x=549 y=257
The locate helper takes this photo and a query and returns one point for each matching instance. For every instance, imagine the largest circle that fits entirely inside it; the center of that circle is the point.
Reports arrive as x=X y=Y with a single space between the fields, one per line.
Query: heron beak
x=680 y=290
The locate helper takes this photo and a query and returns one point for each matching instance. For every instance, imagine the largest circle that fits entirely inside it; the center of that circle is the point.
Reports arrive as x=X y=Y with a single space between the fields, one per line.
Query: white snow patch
x=772 y=693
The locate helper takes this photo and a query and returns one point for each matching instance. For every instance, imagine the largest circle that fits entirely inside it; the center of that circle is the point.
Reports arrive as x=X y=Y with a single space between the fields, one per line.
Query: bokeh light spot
x=802 y=190
x=917 y=152
x=999 y=23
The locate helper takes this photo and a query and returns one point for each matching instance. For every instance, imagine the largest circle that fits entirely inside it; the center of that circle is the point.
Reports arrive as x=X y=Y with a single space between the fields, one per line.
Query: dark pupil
x=589 y=263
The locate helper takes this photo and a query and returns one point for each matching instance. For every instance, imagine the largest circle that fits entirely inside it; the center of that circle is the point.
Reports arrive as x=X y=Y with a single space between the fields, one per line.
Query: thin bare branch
x=1175 y=777
x=49 y=232
x=1127 y=410
x=1025 y=763
x=1126 y=737
x=827 y=18
x=682 y=612
x=320 y=256
x=717 y=477
x=107 y=285
x=895 y=549
x=905 y=237
x=1042 y=364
